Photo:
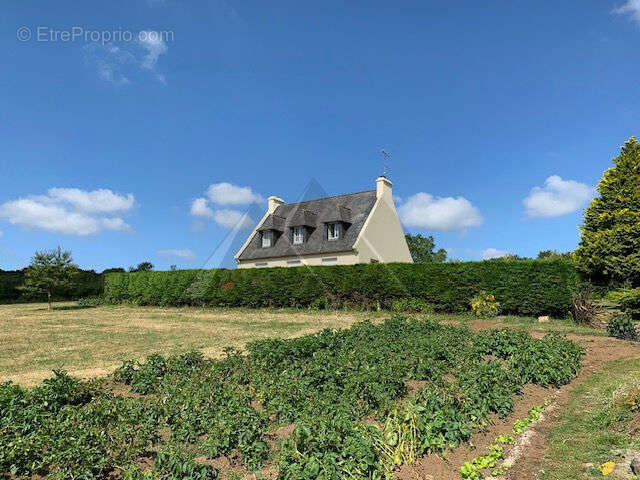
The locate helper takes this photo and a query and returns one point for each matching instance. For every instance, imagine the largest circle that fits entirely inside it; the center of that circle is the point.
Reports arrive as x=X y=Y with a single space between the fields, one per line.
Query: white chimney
x=383 y=189
x=274 y=202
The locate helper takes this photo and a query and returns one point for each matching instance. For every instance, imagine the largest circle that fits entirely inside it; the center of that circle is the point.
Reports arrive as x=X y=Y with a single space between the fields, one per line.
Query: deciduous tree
x=49 y=272
x=422 y=249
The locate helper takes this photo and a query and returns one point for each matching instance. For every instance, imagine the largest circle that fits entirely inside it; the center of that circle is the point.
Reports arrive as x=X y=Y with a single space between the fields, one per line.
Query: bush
x=85 y=283
x=524 y=287
x=630 y=302
x=92 y=301
x=411 y=305
x=622 y=327
x=484 y=305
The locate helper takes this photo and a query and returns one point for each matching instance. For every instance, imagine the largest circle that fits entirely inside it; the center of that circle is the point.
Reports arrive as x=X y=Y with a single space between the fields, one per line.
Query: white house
x=342 y=230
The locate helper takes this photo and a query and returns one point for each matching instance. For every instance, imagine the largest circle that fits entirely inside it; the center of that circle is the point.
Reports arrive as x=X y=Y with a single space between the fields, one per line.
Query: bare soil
x=599 y=351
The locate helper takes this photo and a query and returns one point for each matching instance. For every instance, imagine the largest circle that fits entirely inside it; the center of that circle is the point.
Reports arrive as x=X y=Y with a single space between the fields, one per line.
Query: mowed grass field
x=90 y=342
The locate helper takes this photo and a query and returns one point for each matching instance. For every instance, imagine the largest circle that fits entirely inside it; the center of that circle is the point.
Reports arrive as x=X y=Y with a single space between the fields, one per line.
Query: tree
x=142 y=267
x=421 y=249
x=609 y=249
x=554 y=255
x=49 y=272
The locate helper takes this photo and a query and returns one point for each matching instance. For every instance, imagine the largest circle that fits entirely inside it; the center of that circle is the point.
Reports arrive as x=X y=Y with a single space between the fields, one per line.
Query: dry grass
x=93 y=341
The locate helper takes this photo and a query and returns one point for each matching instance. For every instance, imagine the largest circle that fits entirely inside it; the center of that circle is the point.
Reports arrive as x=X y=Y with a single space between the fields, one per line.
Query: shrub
x=630 y=302
x=484 y=304
x=622 y=327
x=91 y=301
x=524 y=287
x=411 y=305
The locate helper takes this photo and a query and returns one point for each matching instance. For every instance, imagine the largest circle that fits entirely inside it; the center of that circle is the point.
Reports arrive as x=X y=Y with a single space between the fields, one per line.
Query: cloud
x=439 y=213
x=102 y=200
x=557 y=197
x=227 y=218
x=631 y=8
x=490 y=253
x=155 y=46
x=200 y=208
x=183 y=254
x=117 y=64
x=233 y=219
x=228 y=194
x=70 y=211
x=110 y=62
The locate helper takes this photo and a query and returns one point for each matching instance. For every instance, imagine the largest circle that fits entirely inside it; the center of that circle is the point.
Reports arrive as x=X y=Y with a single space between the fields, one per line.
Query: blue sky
x=500 y=117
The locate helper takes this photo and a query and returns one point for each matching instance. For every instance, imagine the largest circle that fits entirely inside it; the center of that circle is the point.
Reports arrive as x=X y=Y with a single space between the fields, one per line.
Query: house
x=342 y=230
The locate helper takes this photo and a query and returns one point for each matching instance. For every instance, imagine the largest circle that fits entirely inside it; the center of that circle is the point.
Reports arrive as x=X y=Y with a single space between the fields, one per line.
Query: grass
x=93 y=341
x=594 y=423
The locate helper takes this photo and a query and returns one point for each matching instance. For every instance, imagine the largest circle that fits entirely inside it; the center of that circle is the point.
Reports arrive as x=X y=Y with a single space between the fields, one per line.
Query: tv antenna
x=385 y=158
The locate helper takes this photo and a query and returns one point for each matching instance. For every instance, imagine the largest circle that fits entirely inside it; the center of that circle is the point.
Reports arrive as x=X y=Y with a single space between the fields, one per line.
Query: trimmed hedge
x=86 y=283
x=522 y=287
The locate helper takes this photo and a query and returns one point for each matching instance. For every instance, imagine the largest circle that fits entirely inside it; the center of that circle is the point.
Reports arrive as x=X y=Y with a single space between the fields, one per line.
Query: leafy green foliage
x=524 y=287
x=422 y=249
x=608 y=250
x=185 y=408
x=49 y=273
x=484 y=304
x=622 y=327
x=411 y=305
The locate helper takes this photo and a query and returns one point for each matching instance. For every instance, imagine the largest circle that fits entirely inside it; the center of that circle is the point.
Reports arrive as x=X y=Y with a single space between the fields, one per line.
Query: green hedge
x=87 y=283
x=523 y=287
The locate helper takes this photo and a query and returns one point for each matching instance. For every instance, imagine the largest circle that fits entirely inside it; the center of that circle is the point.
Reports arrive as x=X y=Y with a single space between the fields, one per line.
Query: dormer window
x=334 y=231
x=267 y=238
x=298 y=235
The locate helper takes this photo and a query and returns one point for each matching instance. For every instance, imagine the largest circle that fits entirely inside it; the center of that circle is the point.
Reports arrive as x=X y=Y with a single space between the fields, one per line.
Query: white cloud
x=490 y=253
x=557 y=197
x=439 y=213
x=70 y=211
x=110 y=62
x=233 y=219
x=631 y=8
x=117 y=64
x=102 y=200
x=200 y=208
x=228 y=194
x=155 y=46
x=183 y=254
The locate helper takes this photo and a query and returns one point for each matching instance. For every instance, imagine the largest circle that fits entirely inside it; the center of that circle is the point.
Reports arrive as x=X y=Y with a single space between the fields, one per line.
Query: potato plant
x=345 y=392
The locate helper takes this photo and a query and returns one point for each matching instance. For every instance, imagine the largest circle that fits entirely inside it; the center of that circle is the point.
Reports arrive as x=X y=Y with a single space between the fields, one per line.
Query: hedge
x=523 y=287
x=87 y=283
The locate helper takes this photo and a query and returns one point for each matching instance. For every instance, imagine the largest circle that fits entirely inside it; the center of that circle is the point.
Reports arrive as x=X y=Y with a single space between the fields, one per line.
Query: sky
x=154 y=130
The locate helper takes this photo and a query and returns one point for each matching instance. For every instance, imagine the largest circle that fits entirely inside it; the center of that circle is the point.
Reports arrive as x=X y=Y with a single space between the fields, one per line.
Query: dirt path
x=600 y=351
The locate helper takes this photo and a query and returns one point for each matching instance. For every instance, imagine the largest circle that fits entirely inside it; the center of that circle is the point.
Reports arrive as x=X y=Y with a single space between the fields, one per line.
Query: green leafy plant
x=484 y=304
x=622 y=327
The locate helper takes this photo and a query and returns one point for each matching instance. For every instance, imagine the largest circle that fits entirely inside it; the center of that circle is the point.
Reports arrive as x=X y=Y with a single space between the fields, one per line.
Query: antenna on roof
x=385 y=157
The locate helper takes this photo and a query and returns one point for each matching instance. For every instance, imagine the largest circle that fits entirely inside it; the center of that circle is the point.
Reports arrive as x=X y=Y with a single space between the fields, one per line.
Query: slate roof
x=352 y=209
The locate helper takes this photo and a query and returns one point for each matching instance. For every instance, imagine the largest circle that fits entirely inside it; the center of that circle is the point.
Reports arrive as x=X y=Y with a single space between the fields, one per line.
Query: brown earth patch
x=414 y=386
x=599 y=351
x=122 y=390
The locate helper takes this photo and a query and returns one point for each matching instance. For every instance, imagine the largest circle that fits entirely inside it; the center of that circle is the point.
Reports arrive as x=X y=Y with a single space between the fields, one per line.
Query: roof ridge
x=326 y=198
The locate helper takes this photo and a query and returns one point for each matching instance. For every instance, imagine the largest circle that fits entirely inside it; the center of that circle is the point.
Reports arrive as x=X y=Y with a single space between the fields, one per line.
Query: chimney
x=383 y=189
x=274 y=202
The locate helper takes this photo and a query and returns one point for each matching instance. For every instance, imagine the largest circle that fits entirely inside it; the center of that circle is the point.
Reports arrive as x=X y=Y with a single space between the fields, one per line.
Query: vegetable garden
x=344 y=391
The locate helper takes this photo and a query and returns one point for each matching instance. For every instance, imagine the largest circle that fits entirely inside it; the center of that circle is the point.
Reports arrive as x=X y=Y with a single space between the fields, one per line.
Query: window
x=298 y=235
x=330 y=261
x=294 y=263
x=334 y=230
x=267 y=238
x=261 y=264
